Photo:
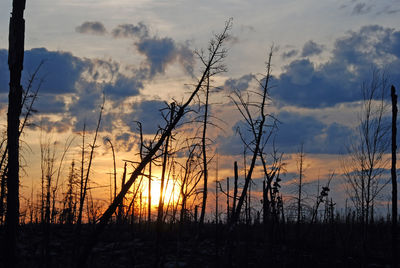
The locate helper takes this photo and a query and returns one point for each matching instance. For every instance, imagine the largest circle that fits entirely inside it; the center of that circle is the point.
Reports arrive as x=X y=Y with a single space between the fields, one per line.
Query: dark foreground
x=140 y=245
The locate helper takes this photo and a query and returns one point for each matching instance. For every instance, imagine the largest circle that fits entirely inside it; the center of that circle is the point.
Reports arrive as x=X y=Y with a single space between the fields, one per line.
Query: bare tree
x=255 y=116
x=364 y=171
x=84 y=182
x=181 y=109
x=189 y=178
x=216 y=68
x=300 y=185
x=69 y=203
x=321 y=198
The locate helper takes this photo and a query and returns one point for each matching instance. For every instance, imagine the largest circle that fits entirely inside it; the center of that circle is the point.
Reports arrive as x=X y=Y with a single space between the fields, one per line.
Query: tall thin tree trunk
x=249 y=206
x=204 y=151
x=163 y=171
x=149 y=197
x=300 y=186
x=227 y=200
x=235 y=189
x=86 y=181
x=15 y=63
x=394 y=178
x=81 y=181
x=121 y=206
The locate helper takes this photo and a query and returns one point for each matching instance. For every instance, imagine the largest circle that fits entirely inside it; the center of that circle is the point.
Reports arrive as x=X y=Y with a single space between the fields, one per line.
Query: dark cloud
x=148 y=113
x=129 y=30
x=160 y=52
x=83 y=80
x=124 y=87
x=117 y=86
x=339 y=79
x=293 y=130
x=91 y=27
x=289 y=54
x=231 y=145
x=85 y=105
x=50 y=104
x=59 y=72
x=48 y=125
x=316 y=136
x=126 y=142
x=311 y=48
x=240 y=84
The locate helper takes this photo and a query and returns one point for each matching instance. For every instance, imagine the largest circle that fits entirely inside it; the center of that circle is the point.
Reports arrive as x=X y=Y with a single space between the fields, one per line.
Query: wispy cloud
x=361 y=8
x=91 y=27
x=129 y=30
x=289 y=54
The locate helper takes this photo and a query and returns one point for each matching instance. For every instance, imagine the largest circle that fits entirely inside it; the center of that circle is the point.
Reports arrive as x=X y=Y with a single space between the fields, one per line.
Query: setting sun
x=171 y=193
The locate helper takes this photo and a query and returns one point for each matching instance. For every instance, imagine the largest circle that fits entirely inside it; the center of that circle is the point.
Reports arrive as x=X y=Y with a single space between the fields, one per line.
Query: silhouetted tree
x=181 y=109
x=84 y=182
x=15 y=63
x=364 y=170
x=256 y=122
x=394 y=178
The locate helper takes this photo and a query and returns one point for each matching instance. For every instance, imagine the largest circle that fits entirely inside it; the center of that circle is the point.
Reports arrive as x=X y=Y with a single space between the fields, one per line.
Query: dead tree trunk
x=120 y=213
x=258 y=130
x=203 y=143
x=149 y=196
x=394 y=178
x=86 y=180
x=15 y=63
x=164 y=170
x=300 y=186
x=227 y=200
x=235 y=189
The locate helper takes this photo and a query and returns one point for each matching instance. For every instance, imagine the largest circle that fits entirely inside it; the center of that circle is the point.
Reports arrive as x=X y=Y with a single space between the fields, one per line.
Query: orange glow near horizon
x=171 y=193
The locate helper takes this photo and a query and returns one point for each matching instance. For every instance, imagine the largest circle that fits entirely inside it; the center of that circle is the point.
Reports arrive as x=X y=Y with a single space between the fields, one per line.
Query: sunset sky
x=140 y=54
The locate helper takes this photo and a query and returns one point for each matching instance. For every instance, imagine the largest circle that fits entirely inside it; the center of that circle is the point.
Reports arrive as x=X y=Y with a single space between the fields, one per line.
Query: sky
x=140 y=54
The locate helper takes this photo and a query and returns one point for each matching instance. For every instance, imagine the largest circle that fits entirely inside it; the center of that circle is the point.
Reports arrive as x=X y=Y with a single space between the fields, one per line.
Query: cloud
x=50 y=104
x=148 y=113
x=74 y=86
x=289 y=54
x=160 y=52
x=293 y=130
x=60 y=70
x=85 y=105
x=126 y=141
x=91 y=27
x=45 y=123
x=129 y=30
x=240 y=84
x=311 y=48
x=390 y=11
x=123 y=86
x=305 y=84
x=317 y=136
x=361 y=8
